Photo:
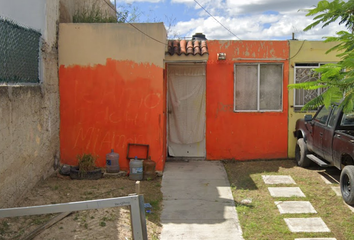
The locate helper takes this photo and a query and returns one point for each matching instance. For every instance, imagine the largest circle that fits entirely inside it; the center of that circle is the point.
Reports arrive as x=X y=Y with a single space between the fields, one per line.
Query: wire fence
x=19 y=53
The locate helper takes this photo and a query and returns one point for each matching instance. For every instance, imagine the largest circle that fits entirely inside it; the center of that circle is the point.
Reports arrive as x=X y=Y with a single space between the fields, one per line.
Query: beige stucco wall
x=69 y=7
x=95 y=43
x=29 y=126
x=304 y=52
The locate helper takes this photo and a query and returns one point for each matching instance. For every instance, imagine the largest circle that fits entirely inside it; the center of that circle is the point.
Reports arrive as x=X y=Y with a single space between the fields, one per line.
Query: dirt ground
x=108 y=223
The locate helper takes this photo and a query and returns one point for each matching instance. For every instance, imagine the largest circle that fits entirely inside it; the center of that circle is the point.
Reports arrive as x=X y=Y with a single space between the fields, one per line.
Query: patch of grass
x=4 y=227
x=261 y=218
x=40 y=220
x=71 y=191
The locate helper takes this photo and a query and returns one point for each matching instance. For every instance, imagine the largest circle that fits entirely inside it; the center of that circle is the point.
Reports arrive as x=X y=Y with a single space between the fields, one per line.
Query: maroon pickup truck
x=328 y=140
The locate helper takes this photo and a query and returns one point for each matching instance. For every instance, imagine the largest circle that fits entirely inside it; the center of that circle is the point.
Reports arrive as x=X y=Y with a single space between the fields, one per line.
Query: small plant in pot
x=86 y=168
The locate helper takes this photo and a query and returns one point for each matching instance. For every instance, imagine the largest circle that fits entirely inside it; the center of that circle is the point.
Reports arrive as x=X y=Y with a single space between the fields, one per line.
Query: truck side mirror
x=308 y=118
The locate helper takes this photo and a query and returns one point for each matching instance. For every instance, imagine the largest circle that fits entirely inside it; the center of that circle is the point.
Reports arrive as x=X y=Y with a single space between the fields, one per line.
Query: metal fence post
x=137 y=214
x=136 y=203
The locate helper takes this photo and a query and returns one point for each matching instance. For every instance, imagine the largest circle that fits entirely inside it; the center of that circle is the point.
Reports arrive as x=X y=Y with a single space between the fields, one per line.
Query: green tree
x=337 y=78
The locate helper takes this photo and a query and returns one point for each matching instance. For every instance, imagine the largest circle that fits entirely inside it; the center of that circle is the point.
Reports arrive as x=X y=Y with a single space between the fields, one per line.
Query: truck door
x=319 y=123
x=328 y=133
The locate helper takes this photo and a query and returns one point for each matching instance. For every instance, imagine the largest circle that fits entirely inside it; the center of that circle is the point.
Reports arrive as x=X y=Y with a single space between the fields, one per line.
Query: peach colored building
x=111 y=90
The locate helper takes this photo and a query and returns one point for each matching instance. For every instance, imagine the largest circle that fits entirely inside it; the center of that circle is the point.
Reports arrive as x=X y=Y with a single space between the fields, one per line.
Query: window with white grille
x=258 y=87
x=304 y=72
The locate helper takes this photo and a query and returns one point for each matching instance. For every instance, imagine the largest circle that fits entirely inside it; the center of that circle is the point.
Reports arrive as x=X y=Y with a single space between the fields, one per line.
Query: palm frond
x=348 y=103
x=313 y=104
x=306 y=85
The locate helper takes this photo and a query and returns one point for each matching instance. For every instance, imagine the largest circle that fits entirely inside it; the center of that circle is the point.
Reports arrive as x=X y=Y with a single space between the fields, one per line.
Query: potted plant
x=86 y=168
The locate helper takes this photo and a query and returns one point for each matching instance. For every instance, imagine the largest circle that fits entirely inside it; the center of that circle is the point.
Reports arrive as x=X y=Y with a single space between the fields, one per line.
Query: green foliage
x=93 y=14
x=86 y=162
x=337 y=78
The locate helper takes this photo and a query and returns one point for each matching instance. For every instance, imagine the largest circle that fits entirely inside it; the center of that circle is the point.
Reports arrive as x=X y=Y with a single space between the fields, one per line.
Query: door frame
x=168 y=64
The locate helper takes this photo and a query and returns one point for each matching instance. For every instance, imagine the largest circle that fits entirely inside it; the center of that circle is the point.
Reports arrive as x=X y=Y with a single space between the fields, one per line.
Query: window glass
x=347 y=119
x=322 y=115
x=258 y=87
x=304 y=72
x=271 y=87
x=246 y=87
x=333 y=118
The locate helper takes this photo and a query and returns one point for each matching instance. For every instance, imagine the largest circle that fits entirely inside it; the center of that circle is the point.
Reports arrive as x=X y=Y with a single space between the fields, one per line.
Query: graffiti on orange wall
x=105 y=107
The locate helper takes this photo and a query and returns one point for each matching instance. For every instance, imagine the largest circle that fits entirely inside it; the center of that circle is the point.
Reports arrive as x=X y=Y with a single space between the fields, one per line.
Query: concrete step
x=317 y=160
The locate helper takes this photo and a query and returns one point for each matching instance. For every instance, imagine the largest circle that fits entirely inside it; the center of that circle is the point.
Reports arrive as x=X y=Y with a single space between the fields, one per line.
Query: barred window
x=258 y=87
x=19 y=53
x=304 y=72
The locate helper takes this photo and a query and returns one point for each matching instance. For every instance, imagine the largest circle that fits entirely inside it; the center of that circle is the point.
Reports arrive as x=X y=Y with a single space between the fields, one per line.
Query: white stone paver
x=325 y=180
x=339 y=194
x=278 y=179
x=295 y=207
x=286 y=192
x=337 y=190
x=350 y=207
x=315 y=239
x=306 y=225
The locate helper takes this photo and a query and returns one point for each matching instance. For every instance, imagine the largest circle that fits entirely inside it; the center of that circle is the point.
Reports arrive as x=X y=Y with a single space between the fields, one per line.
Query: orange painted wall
x=242 y=136
x=104 y=107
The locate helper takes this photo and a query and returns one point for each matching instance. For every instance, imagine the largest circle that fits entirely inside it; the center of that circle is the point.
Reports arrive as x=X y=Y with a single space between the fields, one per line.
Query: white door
x=186 y=110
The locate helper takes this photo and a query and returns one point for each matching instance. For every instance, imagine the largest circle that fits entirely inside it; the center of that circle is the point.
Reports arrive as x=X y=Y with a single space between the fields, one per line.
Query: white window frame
x=258 y=86
x=311 y=66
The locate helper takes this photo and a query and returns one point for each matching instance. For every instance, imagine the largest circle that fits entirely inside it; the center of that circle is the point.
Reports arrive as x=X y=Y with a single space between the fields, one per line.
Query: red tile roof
x=187 y=47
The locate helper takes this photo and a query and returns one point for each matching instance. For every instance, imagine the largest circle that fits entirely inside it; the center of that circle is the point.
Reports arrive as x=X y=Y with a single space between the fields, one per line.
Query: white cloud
x=247 y=19
x=255 y=27
x=136 y=1
x=254 y=19
x=259 y=6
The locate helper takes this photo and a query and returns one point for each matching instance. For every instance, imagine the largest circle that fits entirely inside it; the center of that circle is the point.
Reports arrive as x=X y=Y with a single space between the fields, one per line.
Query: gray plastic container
x=112 y=162
x=136 y=169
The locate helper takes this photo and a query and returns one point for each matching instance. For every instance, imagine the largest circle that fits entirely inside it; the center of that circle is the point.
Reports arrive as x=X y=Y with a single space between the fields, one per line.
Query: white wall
x=28 y=13
x=33 y=14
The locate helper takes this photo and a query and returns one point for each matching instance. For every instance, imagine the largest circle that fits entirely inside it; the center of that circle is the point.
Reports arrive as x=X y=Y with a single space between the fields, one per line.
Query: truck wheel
x=347 y=184
x=300 y=153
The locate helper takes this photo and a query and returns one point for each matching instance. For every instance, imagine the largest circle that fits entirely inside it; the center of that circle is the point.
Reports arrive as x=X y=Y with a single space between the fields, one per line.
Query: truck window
x=322 y=115
x=347 y=120
x=333 y=118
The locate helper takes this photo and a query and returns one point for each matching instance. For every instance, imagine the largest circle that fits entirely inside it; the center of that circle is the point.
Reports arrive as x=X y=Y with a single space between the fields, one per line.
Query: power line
x=298 y=51
x=216 y=19
x=147 y=34
x=109 y=4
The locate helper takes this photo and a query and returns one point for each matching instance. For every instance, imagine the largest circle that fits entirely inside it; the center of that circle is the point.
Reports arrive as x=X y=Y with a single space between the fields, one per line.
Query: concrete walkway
x=198 y=203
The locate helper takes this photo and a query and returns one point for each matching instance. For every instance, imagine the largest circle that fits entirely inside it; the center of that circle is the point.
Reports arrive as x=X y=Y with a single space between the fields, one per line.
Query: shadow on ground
x=240 y=171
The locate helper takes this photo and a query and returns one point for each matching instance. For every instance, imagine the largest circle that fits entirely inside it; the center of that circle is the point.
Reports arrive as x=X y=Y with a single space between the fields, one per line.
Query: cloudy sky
x=243 y=19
